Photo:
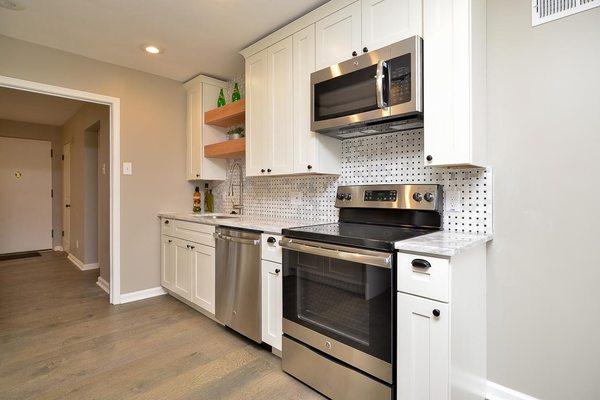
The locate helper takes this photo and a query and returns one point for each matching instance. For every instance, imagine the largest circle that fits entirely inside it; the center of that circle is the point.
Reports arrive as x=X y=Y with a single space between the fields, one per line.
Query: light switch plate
x=452 y=202
x=127 y=168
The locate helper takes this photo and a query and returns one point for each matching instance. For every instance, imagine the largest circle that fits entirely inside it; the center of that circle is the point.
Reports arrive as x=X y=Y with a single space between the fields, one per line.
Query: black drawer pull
x=420 y=263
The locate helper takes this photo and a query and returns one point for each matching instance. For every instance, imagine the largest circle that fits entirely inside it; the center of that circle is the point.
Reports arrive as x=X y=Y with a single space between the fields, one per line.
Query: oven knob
x=429 y=197
x=348 y=196
x=340 y=196
x=417 y=196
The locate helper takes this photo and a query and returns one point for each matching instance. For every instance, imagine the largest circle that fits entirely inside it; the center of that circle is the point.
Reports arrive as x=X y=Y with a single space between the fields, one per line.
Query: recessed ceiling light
x=12 y=5
x=148 y=48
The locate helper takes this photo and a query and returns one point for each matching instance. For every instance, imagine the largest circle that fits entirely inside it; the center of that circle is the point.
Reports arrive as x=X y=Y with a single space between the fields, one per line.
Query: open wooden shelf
x=229 y=115
x=234 y=148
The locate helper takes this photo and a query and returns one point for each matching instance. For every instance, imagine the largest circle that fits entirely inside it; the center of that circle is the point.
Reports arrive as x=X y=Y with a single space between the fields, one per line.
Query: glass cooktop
x=370 y=236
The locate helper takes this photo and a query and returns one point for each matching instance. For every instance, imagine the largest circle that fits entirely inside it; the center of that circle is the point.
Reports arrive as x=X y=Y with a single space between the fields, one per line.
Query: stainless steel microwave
x=378 y=92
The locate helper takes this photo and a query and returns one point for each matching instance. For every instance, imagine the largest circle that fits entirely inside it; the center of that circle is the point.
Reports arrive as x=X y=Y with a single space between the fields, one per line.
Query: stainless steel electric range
x=338 y=289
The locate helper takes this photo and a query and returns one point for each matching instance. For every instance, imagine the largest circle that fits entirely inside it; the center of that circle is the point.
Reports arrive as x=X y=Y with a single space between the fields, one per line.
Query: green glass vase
x=235 y=96
x=221 y=100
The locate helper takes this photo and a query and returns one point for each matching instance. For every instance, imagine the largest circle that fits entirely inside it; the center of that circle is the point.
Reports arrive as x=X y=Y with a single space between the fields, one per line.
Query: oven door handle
x=379 y=76
x=369 y=257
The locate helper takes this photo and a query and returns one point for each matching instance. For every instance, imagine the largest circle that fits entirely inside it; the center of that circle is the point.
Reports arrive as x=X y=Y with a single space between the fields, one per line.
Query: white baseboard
x=58 y=248
x=499 y=392
x=142 y=294
x=79 y=264
x=103 y=284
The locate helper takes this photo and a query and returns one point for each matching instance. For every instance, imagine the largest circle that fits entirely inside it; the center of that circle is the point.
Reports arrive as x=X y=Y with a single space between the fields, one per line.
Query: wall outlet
x=452 y=201
x=296 y=198
x=127 y=168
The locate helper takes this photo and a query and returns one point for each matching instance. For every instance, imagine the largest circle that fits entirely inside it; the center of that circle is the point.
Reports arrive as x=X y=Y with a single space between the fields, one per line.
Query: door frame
x=66 y=227
x=114 y=104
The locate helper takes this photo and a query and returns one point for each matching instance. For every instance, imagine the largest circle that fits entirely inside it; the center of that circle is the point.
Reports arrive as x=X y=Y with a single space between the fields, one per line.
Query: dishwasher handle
x=253 y=242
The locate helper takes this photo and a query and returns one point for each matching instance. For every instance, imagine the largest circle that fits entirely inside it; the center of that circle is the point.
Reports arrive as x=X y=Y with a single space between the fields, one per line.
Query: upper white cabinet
x=202 y=93
x=312 y=152
x=338 y=35
x=454 y=82
x=387 y=21
x=259 y=143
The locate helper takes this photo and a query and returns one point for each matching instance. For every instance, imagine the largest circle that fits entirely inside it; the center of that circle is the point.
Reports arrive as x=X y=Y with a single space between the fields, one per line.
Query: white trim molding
x=142 y=294
x=58 y=248
x=499 y=392
x=114 y=104
x=79 y=264
x=103 y=284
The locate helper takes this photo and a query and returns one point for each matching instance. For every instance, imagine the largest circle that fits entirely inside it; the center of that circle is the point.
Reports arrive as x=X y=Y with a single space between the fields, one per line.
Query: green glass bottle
x=235 y=96
x=221 y=100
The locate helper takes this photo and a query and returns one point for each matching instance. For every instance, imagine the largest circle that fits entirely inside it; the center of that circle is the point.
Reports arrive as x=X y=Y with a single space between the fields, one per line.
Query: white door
x=167 y=262
x=25 y=195
x=258 y=135
x=388 y=21
x=182 y=284
x=272 y=312
x=203 y=276
x=338 y=35
x=423 y=349
x=281 y=108
x=66 y=204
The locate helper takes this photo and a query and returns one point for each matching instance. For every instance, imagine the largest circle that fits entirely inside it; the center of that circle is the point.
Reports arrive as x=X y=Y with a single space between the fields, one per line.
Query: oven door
x=339 y=300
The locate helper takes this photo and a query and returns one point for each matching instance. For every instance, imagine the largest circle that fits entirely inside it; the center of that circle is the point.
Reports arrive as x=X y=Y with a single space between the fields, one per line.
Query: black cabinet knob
x=67 y=205
x=271 y=239
x=436 y=313
x=309 y=166
x=429 y=158
x=192 y=247
x=365 y=50
x=262 y=170
x=277 y=271
x=354 y=54
x=268 y=169
x=197 y=175
x=166 y=222
x=170 y=241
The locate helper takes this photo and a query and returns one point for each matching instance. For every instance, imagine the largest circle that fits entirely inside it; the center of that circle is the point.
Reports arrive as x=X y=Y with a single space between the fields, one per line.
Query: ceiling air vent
x=548 y=10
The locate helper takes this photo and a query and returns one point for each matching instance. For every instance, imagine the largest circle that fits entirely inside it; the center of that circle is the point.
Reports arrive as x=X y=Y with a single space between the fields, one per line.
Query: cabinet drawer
x=166 y=226
x=270 y=249
x=194 y=232
x=424 y=276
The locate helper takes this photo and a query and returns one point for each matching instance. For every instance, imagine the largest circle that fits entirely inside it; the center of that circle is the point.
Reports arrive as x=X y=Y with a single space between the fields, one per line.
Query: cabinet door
x=182 y=284
x=388 y=21
x=272 y=312
x=338 y=35
x=259 y=145
x=203 y=276
x=281 y=94
x=423 y=349
x=194 y=132
x=167 y=262
x=212 y=168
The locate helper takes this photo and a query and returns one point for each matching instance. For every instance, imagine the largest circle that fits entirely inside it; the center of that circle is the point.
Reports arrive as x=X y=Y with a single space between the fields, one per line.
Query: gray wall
x=544 y=144
x=26 y=130
x=152 y=137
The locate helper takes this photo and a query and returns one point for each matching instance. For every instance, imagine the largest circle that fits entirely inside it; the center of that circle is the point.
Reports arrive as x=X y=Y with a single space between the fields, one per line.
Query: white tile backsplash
x=390 y=158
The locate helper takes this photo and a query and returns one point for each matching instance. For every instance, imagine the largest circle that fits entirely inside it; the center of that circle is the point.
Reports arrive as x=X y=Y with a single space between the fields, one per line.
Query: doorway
x=66 y=174
x=25 y=195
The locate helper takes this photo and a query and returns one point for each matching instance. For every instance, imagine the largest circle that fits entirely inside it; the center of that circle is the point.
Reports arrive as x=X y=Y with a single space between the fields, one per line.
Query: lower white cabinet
x=423 y=348
x=188 y=268
x=203 y=276
x=272 y=303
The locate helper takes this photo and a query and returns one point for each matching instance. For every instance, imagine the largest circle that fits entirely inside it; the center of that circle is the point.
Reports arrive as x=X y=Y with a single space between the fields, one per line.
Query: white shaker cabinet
x=338 y=35
x=259 y=144
x=202 y=93
x=167 y=262
x=454 y=82
x=388 y=21
x=202 y=261
x=423 y=345
x=272 y=312
x=313 y=152
x=182 y=283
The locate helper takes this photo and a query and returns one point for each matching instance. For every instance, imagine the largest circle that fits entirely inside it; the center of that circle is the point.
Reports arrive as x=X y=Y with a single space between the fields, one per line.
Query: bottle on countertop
x=209 y=203
x=197 y=200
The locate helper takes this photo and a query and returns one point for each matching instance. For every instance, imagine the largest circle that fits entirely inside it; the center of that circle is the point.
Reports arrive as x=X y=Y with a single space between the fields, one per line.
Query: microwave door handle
x=379 y=77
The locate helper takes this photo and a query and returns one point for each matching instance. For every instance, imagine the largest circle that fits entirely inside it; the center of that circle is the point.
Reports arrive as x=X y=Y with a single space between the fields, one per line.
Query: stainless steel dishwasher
x=238 y=280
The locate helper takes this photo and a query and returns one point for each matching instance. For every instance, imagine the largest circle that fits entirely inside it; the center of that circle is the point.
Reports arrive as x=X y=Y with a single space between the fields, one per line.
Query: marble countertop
x=252 y=222
x=443 y=243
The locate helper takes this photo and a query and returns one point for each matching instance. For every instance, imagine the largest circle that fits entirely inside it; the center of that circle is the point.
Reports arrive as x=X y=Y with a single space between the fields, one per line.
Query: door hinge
x=62 y=158
x=51 y=192
x=62 y=233
x=52 y=233
x=51 y=153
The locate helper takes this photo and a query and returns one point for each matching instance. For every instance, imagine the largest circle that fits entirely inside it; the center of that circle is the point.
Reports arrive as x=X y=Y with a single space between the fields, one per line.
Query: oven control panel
x=411 y=197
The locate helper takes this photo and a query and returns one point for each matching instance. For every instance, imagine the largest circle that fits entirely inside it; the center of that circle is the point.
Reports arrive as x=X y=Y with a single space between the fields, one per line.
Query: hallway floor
x=61 y=339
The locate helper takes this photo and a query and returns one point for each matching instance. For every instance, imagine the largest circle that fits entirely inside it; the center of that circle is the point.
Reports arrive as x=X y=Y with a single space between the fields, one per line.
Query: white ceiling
x=19 y=105
x=199 y=36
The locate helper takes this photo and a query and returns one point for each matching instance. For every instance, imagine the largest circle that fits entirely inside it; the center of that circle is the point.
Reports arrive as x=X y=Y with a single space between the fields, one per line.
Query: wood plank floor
x=61 y=339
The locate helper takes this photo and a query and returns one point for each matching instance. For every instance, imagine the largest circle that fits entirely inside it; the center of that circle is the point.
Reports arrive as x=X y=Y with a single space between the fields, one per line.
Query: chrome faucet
x=240 y=205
